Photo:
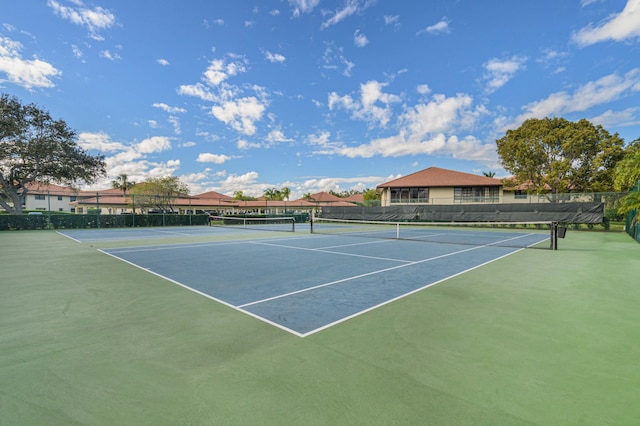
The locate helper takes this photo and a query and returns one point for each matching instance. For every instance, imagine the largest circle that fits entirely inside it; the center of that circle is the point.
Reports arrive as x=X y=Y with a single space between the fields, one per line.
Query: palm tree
x=285 y=192
x=122 y=182
x=272 y=194
x=489 y=174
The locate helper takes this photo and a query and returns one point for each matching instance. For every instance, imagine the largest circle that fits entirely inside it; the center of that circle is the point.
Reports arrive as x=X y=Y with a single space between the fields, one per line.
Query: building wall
x=445 y=196
x=46 y=202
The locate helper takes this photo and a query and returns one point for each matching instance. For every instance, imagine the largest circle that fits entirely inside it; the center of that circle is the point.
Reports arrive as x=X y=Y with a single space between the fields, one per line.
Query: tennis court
x=306 y=283
x=94 y=329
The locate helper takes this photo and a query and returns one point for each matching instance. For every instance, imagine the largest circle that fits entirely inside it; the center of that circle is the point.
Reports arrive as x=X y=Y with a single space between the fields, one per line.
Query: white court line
x=321 y=250
x=239 y=308
x=208 y=296
x=359 y=276
x=69 y=237
x=386 y=302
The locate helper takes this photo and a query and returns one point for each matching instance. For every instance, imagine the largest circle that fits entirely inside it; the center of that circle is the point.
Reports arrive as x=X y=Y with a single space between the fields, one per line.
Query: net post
x=554 y=235
x=311 y=223
x=293 y=224
x=397 y=231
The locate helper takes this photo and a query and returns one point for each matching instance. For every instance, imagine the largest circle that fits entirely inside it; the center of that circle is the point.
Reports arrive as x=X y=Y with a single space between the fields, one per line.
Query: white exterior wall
x=50 y=202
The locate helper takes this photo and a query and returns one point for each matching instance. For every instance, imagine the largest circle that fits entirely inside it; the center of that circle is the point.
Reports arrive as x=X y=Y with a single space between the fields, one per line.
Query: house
x=113 y=201
x=49 y=197
x=327 y=199
x=440 y=186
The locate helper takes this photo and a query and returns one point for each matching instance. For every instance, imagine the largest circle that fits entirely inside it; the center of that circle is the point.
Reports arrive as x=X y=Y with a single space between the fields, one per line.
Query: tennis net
x=503 y=234
x=281 y=224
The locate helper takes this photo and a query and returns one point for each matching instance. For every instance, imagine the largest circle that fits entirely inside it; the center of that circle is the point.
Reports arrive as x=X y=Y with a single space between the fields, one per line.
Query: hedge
x=83 y=221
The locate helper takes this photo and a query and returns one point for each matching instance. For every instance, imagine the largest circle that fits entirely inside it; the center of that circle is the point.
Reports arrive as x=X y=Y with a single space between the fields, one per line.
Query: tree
x=285 y=191
x=239 y=195
x=627 y=172
x=36 y=148
x=370 y=194
x=122 y=182
x=489 y=174
x=275 y=194
x=159 y=193
x=561 y=154
x=626 y=176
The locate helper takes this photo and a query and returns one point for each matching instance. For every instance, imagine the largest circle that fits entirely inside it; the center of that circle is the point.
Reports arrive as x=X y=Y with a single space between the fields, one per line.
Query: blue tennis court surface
x=304 y=284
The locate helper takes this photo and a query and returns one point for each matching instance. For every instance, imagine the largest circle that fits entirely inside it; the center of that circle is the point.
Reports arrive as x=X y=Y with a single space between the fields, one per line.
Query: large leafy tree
x=627 y=176
x=159 y=193
x=36 y=148
x=561 y=155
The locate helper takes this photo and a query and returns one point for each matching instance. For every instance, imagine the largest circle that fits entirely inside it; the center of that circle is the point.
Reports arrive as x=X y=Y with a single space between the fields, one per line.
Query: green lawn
x=539 y=337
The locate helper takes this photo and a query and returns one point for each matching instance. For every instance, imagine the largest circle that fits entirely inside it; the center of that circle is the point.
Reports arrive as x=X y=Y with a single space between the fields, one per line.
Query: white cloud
x=441 y=27
x=303 y=6
x=392 y=20
x=274 y=57
x=175 y=122
x=197 y=90
x=207 y=157
x=169 y=109
x=244 y=144
x=609 y=118
x=351 y=7
x=238 y=183
x=240 y=114
x=162 y=62
x=276 y=136
x=441 y=115
x=27 y=73
x=423 y=89
x=77 y=52
x=367 y=109
x=498 y=72
x=153 y=144
x=112 y=56
x=94 y=20
x=601 y=91
x=334 y=59
x=426 y=128
x=98 y=142
x=220 y=70
x=360 y=39
x=618 y=27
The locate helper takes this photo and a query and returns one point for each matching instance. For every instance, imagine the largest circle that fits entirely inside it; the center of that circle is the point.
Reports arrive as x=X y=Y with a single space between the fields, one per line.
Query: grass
x=539 y=337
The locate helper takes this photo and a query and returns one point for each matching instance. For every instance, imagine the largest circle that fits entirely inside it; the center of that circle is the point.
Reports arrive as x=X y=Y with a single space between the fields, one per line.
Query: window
x=72 y=198
x=476 y=194
x=40 y=197
x=59 y=197
x=409 y=195
x=520 y=194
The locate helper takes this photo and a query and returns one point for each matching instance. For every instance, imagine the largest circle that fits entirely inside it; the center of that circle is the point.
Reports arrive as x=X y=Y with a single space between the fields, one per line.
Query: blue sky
x=316 y=95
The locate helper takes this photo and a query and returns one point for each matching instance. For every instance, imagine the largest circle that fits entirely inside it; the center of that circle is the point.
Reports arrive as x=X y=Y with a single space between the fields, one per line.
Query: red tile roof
x=213 y=194
x=51 y=189
x=437 y=177
x=355 y=198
